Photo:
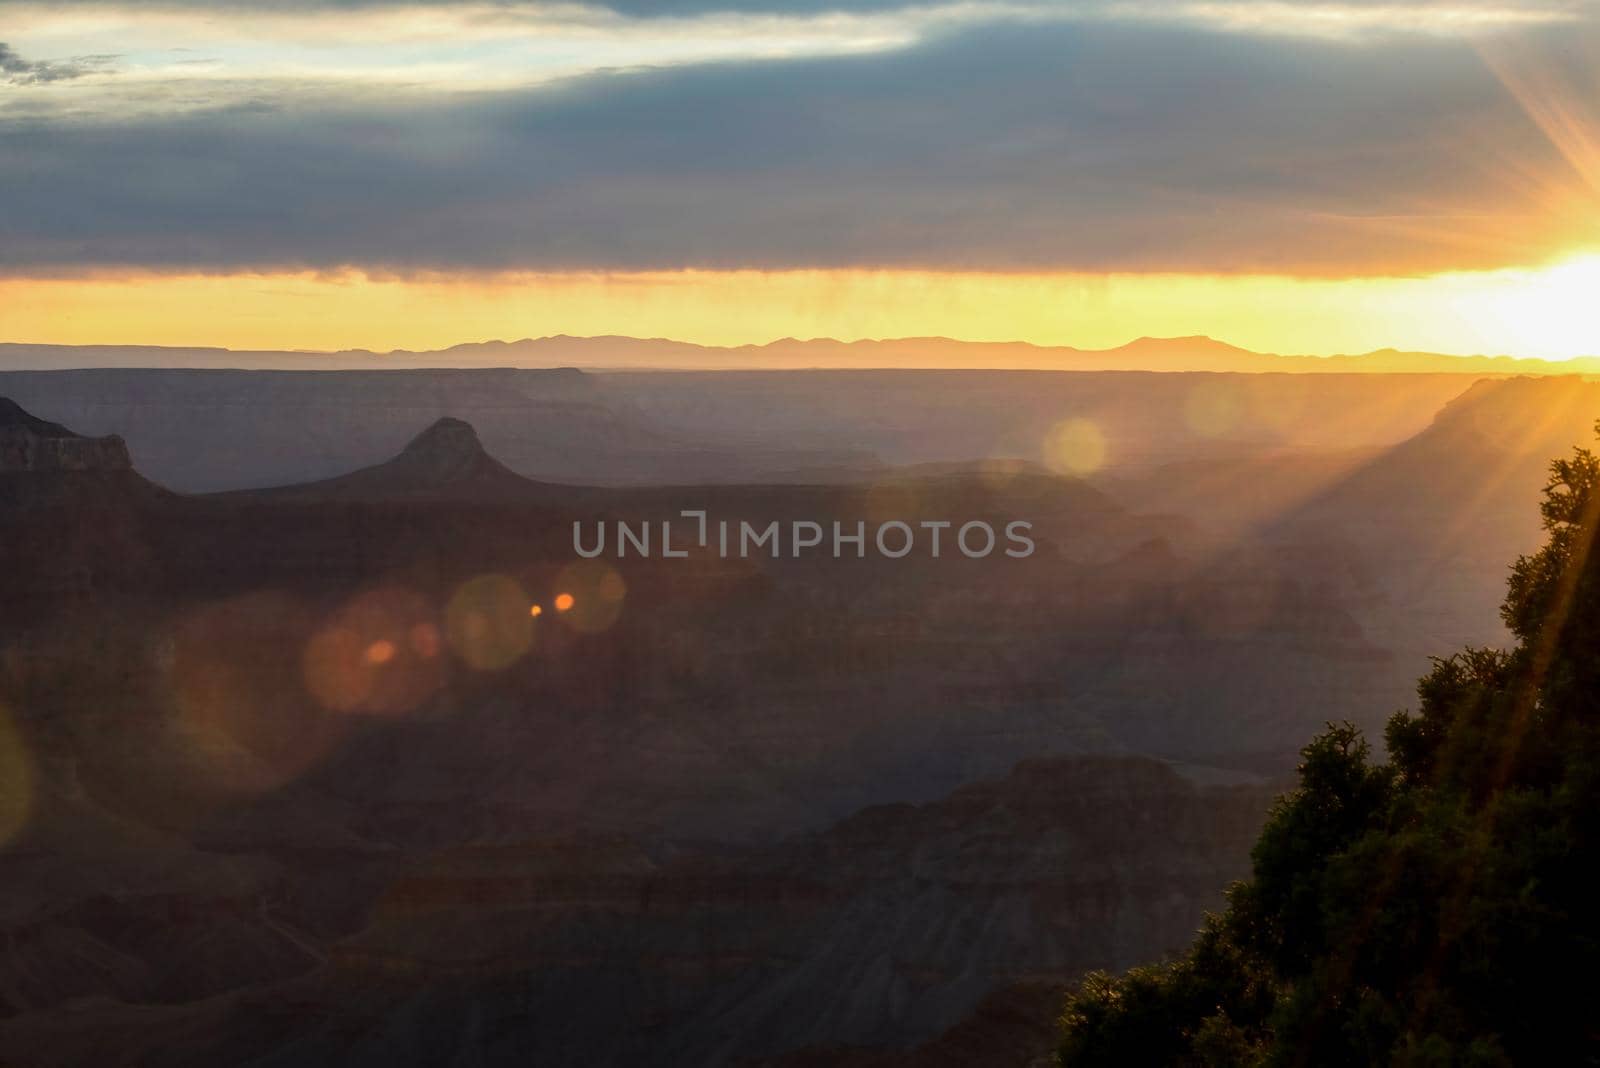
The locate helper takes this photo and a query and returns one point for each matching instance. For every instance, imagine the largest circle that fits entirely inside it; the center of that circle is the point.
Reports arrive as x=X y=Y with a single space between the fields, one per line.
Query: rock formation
x=28 y=443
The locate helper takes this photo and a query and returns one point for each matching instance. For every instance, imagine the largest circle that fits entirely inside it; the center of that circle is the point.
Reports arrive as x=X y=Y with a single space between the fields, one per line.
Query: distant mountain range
x=613 y=352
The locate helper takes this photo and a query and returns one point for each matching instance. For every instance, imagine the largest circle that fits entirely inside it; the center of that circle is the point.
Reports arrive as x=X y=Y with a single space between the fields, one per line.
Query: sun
x=1549 y=311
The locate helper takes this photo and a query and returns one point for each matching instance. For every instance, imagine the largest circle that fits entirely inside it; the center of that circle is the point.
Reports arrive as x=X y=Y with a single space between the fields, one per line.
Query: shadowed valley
x=370 y=765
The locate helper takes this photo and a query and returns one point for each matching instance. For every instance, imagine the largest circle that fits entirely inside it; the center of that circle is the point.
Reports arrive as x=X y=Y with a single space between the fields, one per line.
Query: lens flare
x=425 y=640
x=1213 y=407
x=378 y=654
x=591 y=595
x=886 y=501
x=336 y=669
x=1281 y=409
x=488 y=623
x=1075 y=447
x=237 y=682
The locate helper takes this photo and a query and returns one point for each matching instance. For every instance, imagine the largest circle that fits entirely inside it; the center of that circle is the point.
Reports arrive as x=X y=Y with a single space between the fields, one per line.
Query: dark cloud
x=631 y=8
x=1095 y=147
x=18 y=71
x=634 y=8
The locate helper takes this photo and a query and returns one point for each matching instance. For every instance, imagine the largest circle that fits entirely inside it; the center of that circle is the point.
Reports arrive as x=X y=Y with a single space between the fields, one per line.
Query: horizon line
x=823 y=339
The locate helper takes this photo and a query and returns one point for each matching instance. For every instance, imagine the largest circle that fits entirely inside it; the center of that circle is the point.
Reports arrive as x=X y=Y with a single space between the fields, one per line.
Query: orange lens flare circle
x=591 y=595
x=235 y=675
x=379 y=654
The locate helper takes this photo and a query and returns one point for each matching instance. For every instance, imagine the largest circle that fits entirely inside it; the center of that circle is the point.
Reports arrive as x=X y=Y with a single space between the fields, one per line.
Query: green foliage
x=1434 y=909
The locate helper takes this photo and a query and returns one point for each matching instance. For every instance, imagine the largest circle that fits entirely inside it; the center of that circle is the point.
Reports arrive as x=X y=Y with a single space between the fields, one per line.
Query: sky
x=1288 y=175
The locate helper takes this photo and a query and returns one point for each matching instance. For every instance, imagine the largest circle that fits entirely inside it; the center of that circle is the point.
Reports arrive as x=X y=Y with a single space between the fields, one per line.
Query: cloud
x=15 y=70
x=1077 y=146
x=293 y=49
x=1319 y=18
x=1315 y=17
x=683 y=8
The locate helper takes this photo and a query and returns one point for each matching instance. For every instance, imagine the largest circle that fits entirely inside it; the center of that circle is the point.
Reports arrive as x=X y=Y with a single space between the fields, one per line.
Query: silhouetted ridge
x=448 y=449
x=28 y=443
x=445 y=461
x=72 y=516
x=13 y=414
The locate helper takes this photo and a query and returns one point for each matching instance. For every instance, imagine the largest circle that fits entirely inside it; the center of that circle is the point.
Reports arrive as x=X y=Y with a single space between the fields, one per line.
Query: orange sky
x=1542 y=312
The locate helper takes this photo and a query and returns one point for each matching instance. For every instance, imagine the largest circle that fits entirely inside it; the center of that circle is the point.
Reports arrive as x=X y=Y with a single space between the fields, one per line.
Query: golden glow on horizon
x=1540 y=311
x=1553 y=310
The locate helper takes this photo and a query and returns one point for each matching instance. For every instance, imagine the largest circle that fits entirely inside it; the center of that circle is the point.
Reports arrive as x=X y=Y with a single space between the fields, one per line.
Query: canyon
x=299 y=776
